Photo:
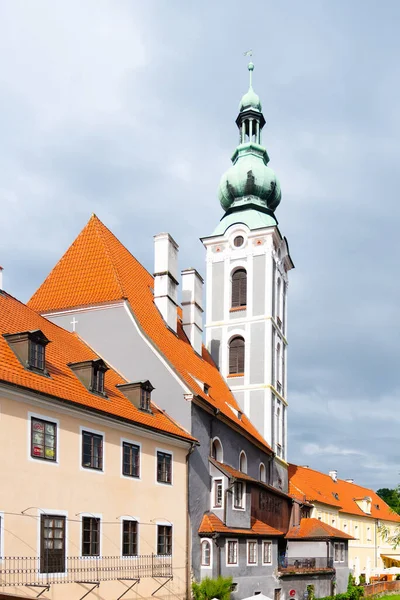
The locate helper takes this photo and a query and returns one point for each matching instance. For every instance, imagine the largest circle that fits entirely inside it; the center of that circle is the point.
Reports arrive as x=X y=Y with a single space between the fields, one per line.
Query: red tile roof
x=314 y=529
x=97 y=269
x=313 y=486
x=212 y=524
x=64 y=348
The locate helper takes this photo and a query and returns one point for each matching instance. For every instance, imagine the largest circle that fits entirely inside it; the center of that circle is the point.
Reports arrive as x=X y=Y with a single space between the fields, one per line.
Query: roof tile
x=315 y=529
x=212 y=524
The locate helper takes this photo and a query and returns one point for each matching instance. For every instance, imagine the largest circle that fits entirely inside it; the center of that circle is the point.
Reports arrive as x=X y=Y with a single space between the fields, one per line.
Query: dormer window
x=92 y=374
x=30 y=349
x=139 y=393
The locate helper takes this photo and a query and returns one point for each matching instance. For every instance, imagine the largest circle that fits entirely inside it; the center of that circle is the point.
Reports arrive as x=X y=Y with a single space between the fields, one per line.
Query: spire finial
x=250 y=67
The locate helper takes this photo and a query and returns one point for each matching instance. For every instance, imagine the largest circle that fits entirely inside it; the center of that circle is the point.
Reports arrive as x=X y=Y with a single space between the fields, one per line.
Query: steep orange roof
x=210 y=523
x=97 y=269
x=314 y=529
x=313 y=486
x=62 y=383
x=232 y=472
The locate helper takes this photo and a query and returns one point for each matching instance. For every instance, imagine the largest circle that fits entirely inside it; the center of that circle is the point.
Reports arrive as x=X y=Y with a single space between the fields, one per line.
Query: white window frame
x=341 y=547
x=101 y=471
x=133 y=443
x=228 y=564
x=164 y=484
x=95 y=516
x=269 y=542
x=52 y=513
x=50 y=420
x=216 y=439
x=169 y=524
x=214 y=479
x=244 y=497
x=250 y=564
x=243 y=454
x=201 y=553
x=129 y=518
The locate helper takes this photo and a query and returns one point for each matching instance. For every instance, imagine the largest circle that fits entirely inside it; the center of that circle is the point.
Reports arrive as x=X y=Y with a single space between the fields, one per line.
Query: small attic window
x=206 y=388
x=92 y=374
x=30 y=348
x=138 y=393
x=335 y=495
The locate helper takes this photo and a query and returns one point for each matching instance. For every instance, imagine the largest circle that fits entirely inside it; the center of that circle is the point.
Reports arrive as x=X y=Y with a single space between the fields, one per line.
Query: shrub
x=209 y=588
x=311 y=592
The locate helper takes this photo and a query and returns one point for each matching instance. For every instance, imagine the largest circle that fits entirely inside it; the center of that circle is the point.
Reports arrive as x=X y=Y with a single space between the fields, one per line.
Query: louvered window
x=239 y=288
x=236 y=356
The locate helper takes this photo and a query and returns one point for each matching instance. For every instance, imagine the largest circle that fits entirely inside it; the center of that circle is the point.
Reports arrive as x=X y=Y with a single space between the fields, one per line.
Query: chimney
x=166 y=277
x=192 y=307
x=333 y=475
x=349 y=480
x=1 y=278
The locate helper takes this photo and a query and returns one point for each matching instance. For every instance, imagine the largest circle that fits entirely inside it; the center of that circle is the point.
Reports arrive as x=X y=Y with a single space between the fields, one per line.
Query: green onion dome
x=249 y=176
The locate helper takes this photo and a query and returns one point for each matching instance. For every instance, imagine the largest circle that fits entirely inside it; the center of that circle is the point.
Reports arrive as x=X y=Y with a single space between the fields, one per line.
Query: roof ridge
x=99 y=226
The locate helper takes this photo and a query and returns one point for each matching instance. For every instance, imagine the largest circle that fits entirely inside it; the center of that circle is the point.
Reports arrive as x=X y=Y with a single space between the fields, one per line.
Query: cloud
x=127 y=110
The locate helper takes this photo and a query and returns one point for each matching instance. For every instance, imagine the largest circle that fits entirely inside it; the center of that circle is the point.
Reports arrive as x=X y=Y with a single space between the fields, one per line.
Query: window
x=36 y=355
x=164 y=467
x=216 y=450
x=339 y=552
x=52 y=544
x=218 y=493
x=236 y=356
x=92 y=450
x=243 y=462
x=90 y=536
x=164 y=539
x=368 y=534
x=267 y=553
x=232 y=552
x=278 y=298
x=263 y=473
x=145 y=396
x=43 y=439
x=238 y=241
x=277 y=594
x=239 y=288
x=252 y=552
x=130 y=460
x=97 y=378
x=129 y=538
x=238 y=496
x=205 y=553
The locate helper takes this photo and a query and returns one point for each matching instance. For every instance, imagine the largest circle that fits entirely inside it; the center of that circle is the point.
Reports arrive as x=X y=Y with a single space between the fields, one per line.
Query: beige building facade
x=91 y=504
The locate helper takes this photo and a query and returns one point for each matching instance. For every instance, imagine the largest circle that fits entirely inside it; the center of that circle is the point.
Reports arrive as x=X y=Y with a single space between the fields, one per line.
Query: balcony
x=301 y=565
x=42 y=572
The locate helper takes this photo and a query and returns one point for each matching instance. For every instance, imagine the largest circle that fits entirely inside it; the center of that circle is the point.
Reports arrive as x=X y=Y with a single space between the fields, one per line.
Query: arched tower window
x=263 y=475
x=278 y=298
x=243 y=462
x=239 y=288
x=216 y=450
x=205 y=553
x=236 y=355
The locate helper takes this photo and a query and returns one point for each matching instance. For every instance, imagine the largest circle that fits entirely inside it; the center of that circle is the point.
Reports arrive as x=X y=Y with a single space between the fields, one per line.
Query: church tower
x=247 y=280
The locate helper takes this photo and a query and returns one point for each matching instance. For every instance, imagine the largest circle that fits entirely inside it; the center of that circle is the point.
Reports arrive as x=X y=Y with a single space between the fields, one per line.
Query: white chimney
x=349 y=480
x=166 y=277
x=192 y=307
x=1 y=278
x=333 y=475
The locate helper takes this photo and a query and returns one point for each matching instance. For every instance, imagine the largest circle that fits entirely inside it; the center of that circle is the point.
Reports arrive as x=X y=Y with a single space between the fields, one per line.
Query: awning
x=395 y=557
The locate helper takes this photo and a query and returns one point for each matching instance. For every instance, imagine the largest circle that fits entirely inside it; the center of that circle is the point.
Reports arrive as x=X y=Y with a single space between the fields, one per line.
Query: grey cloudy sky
x=127 y=109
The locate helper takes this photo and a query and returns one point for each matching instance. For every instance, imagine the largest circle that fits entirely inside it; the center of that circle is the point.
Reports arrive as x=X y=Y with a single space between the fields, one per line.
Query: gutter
x=188 y=529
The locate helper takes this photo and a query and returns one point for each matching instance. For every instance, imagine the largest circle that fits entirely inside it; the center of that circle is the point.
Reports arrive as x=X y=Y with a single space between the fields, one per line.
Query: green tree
x=391 y=497
x=212 y=588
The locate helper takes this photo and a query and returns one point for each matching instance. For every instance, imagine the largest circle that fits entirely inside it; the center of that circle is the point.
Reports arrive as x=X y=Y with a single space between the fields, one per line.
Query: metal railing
x=292 y=563
x=36 y=571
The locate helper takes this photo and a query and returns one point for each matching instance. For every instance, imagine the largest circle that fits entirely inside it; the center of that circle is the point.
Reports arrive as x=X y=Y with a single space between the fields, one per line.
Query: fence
x=381 y=586
x=292 y=563
x=15 y=571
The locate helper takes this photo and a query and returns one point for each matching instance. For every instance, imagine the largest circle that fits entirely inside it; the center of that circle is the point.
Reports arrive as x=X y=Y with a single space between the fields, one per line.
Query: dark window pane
x=164 y=467
x=236 y=355
x=90 y=536
x=130 y=463
x=239 y=288
x=164 y=539
x=43 y=439
x=92 y=450
x=129 y=537
x=52 y=544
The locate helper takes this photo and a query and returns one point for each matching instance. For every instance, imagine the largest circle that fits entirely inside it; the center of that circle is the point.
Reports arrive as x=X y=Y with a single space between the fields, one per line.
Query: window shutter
x=236 y=356
x=239 y=288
